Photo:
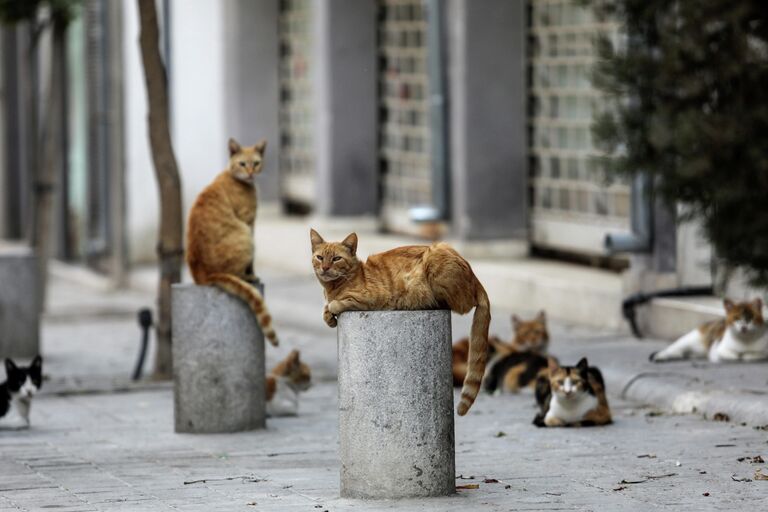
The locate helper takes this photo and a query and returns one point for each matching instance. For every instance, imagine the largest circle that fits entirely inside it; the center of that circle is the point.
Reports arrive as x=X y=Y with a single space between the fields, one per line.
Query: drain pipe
x=440 y=207
x=641 y=220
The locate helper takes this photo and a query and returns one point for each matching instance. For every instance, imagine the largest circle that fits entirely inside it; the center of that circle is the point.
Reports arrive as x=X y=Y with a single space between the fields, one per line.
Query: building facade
x=461 y=119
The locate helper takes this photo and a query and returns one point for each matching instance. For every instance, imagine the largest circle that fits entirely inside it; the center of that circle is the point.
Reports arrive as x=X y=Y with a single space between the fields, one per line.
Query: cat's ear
x=37 y=363
x=728 y=305
x=261 y=146
x=350 y=243
x=234 y=147
x=552 y=365
x=315 y=238
x=293 y=358
x=582 y=364
x=10 y=367
x=758 y=303
x=516 y=321
x=541 y=317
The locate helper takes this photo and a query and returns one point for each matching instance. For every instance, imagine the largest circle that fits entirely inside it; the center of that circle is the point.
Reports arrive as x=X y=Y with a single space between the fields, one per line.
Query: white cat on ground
x=741 y=336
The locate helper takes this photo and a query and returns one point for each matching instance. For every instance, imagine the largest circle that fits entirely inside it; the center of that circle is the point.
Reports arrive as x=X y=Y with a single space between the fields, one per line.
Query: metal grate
x=404 y=132
x=572 y=207
x=297 y=162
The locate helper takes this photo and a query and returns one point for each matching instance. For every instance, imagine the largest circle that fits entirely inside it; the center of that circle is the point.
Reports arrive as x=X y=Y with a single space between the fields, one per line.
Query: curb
x=678 y=394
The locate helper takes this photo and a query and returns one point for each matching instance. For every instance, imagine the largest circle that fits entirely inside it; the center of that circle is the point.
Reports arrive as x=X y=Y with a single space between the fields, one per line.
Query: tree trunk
x=169 y=247
x=45 y=176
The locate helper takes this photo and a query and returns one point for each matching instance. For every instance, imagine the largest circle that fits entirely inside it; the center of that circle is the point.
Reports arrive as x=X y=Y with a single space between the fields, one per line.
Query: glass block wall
x=404 y=134
x=572 y=209
x=297 y=163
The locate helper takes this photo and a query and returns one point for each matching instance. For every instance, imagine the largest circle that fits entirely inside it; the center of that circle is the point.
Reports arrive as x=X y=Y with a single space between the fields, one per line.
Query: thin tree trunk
x=169 y=247
x=45 y=179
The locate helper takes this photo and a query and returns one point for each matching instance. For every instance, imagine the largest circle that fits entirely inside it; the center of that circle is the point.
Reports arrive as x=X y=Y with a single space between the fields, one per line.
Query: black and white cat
x=22 y=383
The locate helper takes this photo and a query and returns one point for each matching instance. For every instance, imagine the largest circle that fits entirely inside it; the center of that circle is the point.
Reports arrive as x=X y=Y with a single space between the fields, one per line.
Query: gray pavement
x=109 y=450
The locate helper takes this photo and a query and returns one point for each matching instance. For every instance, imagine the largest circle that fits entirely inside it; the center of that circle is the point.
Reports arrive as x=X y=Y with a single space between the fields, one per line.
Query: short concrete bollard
x=218 y=362
x=19 y=303
x=396 y=404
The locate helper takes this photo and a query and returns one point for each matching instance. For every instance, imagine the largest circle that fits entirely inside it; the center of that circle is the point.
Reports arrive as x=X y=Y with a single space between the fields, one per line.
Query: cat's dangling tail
x=478 y=351
x=239 y=288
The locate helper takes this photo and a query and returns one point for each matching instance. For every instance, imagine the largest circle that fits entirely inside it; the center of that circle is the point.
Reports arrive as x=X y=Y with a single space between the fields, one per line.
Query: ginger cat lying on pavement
x=220 y=232
x=406 y=278
x=284 y=382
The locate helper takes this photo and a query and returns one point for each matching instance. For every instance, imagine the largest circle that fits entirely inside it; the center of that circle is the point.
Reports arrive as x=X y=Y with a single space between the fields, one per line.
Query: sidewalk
x=110 y=451
x=101 y=337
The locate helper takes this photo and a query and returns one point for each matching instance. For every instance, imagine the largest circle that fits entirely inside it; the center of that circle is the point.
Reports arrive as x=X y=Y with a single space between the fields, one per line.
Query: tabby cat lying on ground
x=406 y=278
x=571 y=396
x=529 y=335
x=220 y=232
x=740 y=336
x=21 y=385
x=289 y=377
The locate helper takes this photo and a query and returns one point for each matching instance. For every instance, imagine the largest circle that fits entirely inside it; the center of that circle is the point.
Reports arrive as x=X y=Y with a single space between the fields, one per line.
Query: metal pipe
x=641 y=220
x=440 y=207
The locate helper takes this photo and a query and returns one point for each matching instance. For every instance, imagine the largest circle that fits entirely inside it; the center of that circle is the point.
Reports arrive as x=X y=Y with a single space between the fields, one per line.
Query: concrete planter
x=19 y=303
x=218 y=362
x=396 y=432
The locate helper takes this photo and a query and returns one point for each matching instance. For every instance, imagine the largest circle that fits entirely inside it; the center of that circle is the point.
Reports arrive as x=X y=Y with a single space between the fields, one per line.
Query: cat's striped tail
x=478 y=351
x=241 y=289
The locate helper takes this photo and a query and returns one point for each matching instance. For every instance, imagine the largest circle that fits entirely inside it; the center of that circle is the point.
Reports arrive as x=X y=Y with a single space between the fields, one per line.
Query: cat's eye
x=336 y=258
x=319 y=258
x=242 y=164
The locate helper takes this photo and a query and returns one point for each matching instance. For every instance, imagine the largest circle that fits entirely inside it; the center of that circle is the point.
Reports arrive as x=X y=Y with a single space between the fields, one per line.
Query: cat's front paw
x=330 y=318
x=335 y=307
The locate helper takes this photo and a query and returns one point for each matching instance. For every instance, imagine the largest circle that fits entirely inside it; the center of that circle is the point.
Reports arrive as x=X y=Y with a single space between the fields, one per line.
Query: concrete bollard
x=396 y=404
x=19 y=303
x=218 y=362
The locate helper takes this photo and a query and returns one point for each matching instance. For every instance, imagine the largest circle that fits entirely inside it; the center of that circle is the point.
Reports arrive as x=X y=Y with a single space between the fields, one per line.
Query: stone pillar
x=19 y=303
x=346 y=104
x=487 y=119
x=218 y=362
x=396 y=437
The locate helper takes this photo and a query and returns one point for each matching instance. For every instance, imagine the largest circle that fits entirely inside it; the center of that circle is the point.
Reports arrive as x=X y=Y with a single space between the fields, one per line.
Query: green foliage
x=16 y=11
x=688 y=85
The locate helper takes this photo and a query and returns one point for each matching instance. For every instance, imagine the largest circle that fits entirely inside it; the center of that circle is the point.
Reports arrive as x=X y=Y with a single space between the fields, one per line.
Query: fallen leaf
x=462 y=477
x=647 y=478
x=620 y=488
x=757 y=459
x=745 y=479
x=724 y=445
x=468 y=486
x=500 y=434
x=508 y=486
x=721 y=416
x=705 y=494
x=646 y=456
x=702 y=472
x=490 y=481
x=759 y=475
x=251 y=503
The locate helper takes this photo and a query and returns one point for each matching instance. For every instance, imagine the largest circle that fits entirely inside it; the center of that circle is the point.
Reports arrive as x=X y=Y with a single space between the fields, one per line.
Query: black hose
x=145 y=322
x=630 y=303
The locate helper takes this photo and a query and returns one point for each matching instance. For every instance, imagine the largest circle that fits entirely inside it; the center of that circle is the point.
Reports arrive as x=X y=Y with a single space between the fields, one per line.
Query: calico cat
x=220 y=232
x=530 y=336
x=571 y=396
x=740 y=336
x=406 y=278
x=515 y=371
x=21 y=385
x=284 y=382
